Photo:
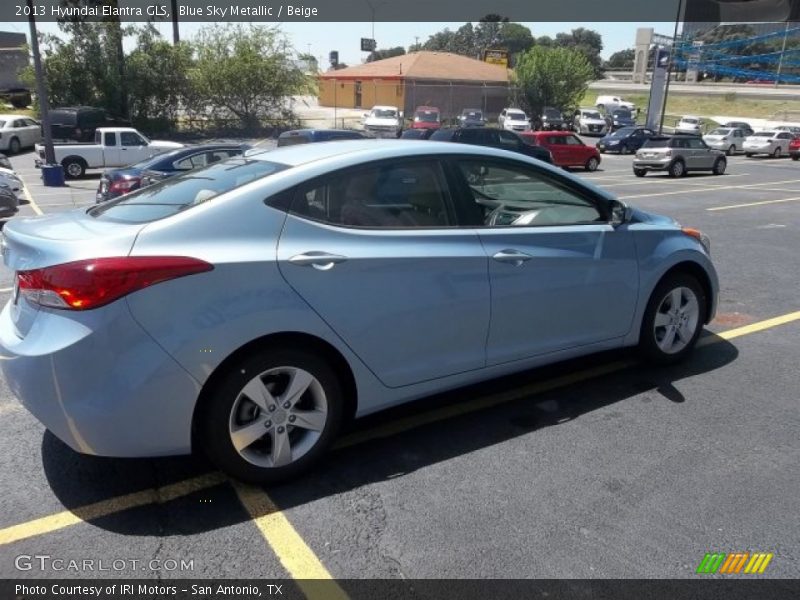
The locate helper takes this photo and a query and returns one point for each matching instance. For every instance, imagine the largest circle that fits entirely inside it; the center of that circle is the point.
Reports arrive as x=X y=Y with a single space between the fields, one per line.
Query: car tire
x=677 y=169
x=74 y=168
x=640 y=172
x=719 y=166
x=777 y=152
x=14 y=146
x=317 y=402
x=592 y=164
x=668 y=334
x=731 y=150
x=795 y=157
x=748 y=154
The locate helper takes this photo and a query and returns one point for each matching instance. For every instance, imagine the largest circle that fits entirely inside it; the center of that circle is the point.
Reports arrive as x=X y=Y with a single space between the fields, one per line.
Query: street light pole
x=783 y=51
x=41 y=89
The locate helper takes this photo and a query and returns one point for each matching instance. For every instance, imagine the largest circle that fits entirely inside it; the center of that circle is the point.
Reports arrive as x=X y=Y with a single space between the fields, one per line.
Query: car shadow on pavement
x=79 y=480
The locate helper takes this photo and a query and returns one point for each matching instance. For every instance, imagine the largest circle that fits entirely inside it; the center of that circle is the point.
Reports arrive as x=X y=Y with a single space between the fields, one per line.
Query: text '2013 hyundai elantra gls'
x=246 y=309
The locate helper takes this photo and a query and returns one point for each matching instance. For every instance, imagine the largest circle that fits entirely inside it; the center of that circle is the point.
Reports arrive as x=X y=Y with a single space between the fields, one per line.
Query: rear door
x=577 y=152
x=110 y=150
x=561 y=276
x=376 y=252
x=702 y=157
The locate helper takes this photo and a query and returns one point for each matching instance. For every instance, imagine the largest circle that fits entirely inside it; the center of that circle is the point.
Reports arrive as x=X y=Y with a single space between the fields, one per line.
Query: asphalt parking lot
x=599 y=467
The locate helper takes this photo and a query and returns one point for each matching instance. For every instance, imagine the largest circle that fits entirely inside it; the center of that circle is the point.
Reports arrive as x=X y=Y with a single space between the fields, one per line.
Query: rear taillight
x=87 y=284
x=123 y=186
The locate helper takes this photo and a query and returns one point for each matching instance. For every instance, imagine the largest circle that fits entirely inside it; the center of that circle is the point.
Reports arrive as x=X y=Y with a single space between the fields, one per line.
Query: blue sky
x=321 y=38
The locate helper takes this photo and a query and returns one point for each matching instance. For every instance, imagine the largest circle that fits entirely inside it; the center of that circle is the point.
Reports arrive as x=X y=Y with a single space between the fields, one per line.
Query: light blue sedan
x=247 y=309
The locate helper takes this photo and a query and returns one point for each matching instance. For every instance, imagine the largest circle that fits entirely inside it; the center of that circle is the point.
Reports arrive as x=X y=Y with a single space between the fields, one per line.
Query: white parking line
x=645 y=181
x=710 y=189
x=749 y=204
x=29 y=198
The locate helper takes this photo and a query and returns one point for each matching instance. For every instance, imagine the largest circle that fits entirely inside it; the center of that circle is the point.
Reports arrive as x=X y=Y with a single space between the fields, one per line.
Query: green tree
x=586 y=41
x=245 y=72
x=556 y=77
x=622 y=60
x=158 y=73
x=385 y=53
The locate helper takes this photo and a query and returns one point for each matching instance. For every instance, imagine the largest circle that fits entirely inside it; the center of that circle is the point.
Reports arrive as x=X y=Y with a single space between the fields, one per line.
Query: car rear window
x=177 y=194
x=293 y=140
x=763 y=134
x=657 y=143
x=516 y=116
x=443 y=135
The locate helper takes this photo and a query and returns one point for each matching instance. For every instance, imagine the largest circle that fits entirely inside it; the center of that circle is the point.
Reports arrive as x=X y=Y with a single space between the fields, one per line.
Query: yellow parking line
x=752 y=328
x=269 y=517
x=104 y=508
x=295 y=555
x=749 y=204
x=29 y=198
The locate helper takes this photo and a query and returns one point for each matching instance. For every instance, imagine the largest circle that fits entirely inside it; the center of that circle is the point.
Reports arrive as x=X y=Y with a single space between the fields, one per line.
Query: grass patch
x=7 y=109
x=729 y=104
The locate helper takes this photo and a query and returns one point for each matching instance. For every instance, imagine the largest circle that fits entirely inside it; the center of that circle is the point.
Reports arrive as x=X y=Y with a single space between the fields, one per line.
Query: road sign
x=496 y=57
x=368 y=45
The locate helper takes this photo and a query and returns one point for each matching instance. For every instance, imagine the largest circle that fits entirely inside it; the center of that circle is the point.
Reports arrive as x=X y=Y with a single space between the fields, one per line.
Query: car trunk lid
x=37 y=242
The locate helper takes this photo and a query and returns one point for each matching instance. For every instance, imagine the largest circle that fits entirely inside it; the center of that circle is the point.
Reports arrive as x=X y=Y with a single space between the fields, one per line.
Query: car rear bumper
x=651 y=165
x=99 y=382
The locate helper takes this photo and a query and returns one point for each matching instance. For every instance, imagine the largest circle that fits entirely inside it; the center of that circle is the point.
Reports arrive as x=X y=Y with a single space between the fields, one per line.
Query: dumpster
x=53 y=175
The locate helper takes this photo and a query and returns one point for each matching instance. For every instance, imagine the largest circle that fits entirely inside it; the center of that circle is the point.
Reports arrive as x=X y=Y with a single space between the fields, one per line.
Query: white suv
x=513 y=119
x=588 y=120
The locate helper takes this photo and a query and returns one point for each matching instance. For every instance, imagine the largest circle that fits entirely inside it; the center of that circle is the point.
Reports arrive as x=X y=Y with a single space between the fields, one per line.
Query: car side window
x=696 y=144
x=572 y=140
x=128 y=138
x=191 y=162
x=111 y=138
x=784 y=136
x=508 y=140
x=516 y=195
x=395 y=195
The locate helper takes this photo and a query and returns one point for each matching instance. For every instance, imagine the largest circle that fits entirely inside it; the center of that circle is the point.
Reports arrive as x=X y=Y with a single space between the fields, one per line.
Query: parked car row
x=10 y=188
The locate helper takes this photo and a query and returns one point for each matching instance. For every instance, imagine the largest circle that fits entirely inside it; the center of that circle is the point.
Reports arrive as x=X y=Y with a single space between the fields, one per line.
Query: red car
x=567 y=148
x=794 y=148
x=427 y=117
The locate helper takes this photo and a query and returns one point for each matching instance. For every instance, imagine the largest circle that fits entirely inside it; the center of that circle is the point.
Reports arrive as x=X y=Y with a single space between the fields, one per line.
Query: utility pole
x=41 y=89
x=176 y=36
x=669 y=67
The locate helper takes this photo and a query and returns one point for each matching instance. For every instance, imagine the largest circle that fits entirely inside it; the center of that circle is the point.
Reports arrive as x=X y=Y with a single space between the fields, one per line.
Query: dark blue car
x=625 y=141
x=118 y=182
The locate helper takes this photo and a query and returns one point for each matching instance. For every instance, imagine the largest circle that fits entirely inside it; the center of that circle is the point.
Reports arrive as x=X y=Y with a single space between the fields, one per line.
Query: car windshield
x=690 y=121
x=624 y=132
x=384 y=113
x=427 y=116
x=516 y=116
x=763 y=134
x=174 y=195
x=622 y=113
x=592 y=115
x=472 y=114
x=657 y=143
x=552 y=113
x=719 y=132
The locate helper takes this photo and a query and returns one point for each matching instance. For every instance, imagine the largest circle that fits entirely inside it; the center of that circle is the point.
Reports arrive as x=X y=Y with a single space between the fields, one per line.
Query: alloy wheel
x=676 y=320
x=278 y=417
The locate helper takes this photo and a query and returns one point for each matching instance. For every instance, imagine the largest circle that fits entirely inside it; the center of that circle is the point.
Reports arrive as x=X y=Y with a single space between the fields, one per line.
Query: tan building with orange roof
x=450 y=82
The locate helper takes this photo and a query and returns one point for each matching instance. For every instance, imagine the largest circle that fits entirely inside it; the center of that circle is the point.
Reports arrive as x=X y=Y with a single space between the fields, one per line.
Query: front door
x=375 y=252
x=561 y=276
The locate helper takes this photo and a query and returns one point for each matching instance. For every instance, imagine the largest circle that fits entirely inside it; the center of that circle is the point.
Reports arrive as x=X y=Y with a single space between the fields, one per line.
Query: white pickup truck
x=112 y=147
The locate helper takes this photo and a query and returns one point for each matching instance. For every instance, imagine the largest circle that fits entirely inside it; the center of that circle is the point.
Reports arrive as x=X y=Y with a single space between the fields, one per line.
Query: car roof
x=370 y=149
x=544 y=133
x=384 y=107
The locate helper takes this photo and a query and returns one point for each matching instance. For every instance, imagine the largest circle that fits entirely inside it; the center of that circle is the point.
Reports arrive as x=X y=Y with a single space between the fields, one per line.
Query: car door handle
x=514 y=257
x=322 y=261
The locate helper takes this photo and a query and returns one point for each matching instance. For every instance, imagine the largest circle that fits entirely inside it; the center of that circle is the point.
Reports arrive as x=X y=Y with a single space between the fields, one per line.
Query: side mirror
x=620 y=213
